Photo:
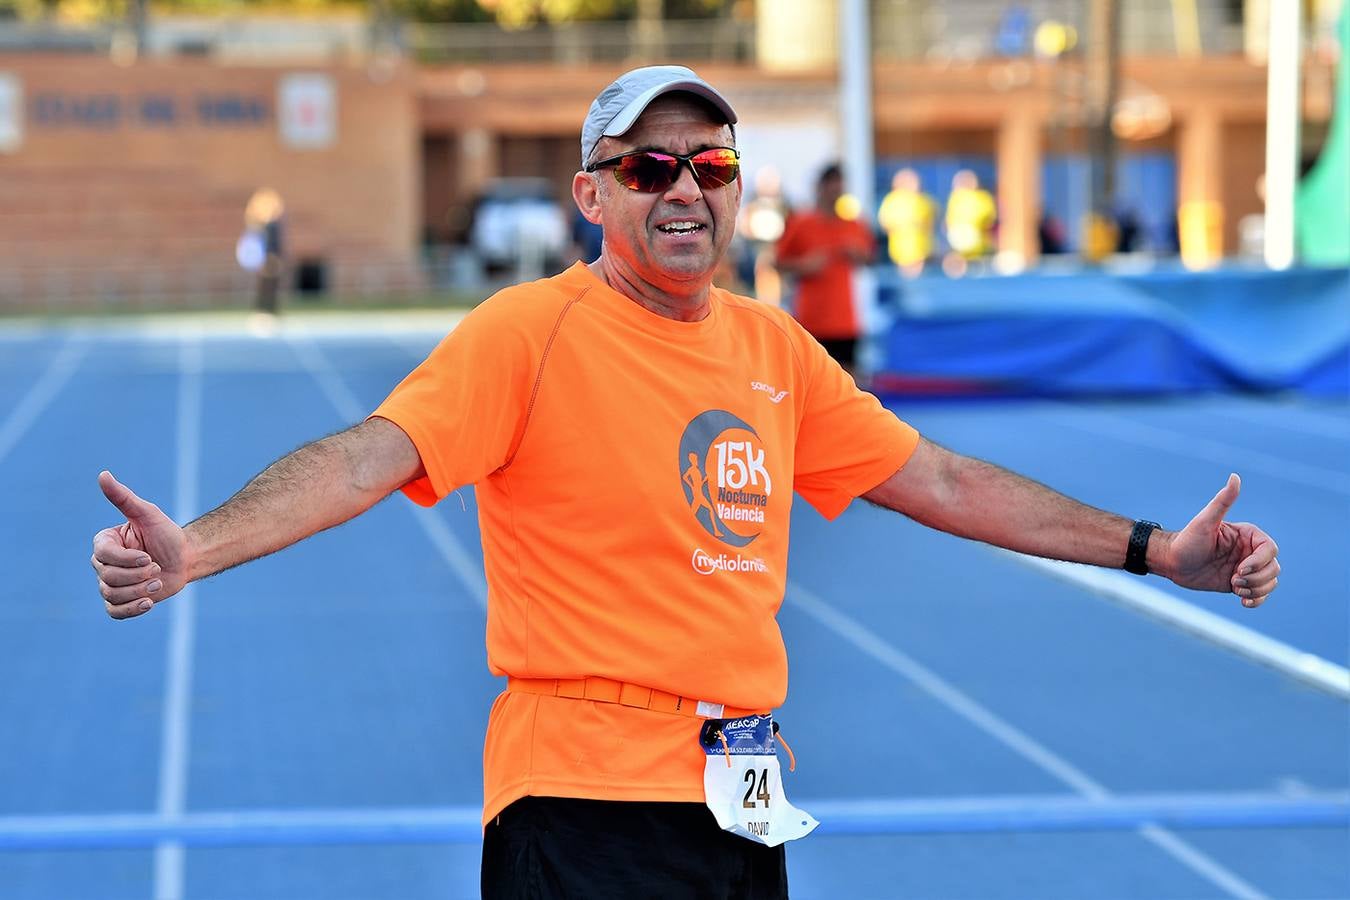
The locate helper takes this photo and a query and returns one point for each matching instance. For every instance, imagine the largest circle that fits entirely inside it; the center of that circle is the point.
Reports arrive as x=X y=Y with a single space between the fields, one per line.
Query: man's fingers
x=1254 y=597
x=132 y=593
x=119 y=576
x=1217 y=508
x=1264 y=554
x=128 y=610
x=122 y=497
x=1258 y=577
x=128 y=578
x=109 y=550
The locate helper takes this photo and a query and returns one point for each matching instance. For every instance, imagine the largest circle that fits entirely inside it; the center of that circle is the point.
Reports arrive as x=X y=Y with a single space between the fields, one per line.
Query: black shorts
x=542 y=848
x=844 y=350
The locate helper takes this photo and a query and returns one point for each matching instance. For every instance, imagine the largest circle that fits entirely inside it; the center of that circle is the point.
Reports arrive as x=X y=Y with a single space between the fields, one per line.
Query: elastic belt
x=606 y=690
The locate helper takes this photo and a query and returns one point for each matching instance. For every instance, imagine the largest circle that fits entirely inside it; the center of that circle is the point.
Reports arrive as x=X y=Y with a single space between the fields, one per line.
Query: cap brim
x=629 y=114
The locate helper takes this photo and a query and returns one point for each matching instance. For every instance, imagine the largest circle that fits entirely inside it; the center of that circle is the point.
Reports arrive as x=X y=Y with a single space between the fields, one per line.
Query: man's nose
x=684 y=189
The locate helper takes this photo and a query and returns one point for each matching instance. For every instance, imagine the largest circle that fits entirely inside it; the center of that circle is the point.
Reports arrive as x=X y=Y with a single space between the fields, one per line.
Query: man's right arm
x=149 y=558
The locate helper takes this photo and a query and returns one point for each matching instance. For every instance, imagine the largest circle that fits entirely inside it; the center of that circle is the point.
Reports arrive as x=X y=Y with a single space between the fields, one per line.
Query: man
x=907 y=215
x=970 y=219
x=632 y=753
x=762 y=222
x=821 y=247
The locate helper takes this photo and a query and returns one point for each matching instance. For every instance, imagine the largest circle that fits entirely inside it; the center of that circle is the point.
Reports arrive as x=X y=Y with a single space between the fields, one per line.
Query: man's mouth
x=680 y=227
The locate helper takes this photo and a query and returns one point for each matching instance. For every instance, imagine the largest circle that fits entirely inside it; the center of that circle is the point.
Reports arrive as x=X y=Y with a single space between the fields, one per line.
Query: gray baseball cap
x=618 y=106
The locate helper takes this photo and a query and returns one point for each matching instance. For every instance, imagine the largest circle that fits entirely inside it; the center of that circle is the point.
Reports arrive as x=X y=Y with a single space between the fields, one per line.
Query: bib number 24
x=743 y=784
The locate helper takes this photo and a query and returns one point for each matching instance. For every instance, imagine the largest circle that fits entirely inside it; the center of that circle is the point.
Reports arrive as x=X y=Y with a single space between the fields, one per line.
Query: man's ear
x=586 y=193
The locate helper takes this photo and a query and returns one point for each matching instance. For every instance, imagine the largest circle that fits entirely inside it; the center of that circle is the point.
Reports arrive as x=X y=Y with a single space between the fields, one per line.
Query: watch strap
x=1136 y=555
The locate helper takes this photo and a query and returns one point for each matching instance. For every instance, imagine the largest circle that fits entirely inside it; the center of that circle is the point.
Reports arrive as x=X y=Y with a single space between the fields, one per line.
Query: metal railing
x=139 y=286
x=979 y=29
x=901 y=30
x=442 y=274
x=906 y=30
x=710 y=40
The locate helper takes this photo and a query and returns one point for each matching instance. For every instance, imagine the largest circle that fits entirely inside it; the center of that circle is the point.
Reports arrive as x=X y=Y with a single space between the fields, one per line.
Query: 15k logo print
x=725 y=480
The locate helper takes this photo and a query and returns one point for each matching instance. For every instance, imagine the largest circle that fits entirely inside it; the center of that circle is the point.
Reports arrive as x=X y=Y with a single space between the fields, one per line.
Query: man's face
x=651 y=234
x=829 y=190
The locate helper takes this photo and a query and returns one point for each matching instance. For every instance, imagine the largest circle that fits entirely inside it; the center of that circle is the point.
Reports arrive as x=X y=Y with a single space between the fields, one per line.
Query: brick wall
x=122 y=176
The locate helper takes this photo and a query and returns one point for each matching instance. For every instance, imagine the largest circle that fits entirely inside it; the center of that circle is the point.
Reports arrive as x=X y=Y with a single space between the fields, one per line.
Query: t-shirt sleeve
x=465 y=406
x=847 y=442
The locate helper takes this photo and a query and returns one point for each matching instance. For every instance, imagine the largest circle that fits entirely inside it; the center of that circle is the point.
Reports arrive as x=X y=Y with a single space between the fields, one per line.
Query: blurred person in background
x=762 y=222
x=908 y=216
x=586 y=238
x=1053 y=237
x=617 y=421
x=821 y=248
x=263 y=218
x=1252 y=227
x=970 y=220
x=1128 y=230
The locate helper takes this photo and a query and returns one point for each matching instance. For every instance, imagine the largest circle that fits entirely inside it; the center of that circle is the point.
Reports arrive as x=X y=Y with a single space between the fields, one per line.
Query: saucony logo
x=774 y=396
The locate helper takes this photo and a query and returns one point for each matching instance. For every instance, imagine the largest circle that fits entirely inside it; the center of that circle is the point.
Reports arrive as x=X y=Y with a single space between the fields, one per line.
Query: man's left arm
x=981 y=501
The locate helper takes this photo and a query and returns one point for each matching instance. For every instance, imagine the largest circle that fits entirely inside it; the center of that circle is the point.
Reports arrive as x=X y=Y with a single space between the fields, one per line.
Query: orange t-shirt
x=634 y=476
x=824 y=303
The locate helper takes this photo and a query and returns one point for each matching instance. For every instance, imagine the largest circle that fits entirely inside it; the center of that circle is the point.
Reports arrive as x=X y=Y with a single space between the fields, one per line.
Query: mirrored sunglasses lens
x=647 y=172
x=716 y=168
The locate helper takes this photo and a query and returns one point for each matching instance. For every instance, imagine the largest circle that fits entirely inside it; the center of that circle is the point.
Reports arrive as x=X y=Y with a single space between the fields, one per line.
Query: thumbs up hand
x=1210 y=554
x=142 y=561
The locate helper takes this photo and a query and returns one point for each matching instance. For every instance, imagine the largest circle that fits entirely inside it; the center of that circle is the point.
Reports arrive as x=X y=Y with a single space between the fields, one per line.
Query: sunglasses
x=652 y=173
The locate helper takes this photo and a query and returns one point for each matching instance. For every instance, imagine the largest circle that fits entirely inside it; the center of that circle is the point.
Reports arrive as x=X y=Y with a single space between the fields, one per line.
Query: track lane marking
x=839 y=816
x=451 y=549
x=41 y=394
x=1010 y=736
x=1237 y=459
x=1138 y=596
x=175 y=736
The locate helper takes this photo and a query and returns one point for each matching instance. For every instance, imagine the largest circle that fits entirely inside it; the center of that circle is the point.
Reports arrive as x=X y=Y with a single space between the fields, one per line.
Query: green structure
x=1323 y=201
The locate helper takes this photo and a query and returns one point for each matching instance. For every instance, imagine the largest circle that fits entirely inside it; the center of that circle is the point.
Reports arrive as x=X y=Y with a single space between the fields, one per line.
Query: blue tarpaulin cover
x=1096 y=333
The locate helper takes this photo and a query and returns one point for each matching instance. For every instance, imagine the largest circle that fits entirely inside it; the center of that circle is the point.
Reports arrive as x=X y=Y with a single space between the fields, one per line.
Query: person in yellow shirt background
x=908 y=216
x=971 y=217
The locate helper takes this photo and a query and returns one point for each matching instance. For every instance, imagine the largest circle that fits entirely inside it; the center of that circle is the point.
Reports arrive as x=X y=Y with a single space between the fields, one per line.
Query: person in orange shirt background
x=821 y=248
x=615 y=591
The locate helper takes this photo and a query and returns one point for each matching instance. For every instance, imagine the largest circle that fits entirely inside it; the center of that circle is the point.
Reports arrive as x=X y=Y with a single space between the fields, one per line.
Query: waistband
x=606 y=690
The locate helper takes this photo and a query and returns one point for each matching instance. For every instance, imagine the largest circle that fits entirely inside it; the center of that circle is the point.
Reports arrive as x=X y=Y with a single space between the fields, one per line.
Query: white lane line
x=170 y=858
x=1128 y=590
x=334 y=388
x=418 y=345
x=41 y=394
x=1233 y=459
x=1196 y=860
x=466 y=569
x=452 y=550
x=1007 y=734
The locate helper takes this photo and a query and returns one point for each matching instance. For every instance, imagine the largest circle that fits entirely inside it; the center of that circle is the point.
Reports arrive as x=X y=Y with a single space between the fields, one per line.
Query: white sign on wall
x=307 y=111
x=11 y=113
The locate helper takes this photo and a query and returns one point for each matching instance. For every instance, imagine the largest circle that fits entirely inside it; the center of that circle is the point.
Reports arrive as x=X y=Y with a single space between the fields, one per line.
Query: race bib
x=743 y=785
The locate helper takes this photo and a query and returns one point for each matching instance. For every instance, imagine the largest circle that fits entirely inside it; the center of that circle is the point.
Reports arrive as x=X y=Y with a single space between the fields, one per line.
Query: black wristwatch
x=1136 y=556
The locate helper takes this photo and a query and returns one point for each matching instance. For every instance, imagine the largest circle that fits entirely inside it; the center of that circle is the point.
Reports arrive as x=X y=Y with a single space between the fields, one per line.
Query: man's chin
x=687 y=268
